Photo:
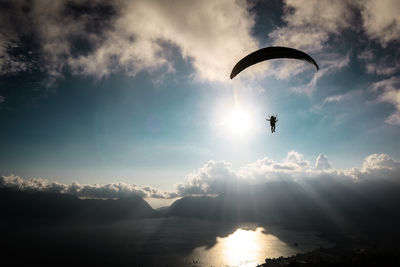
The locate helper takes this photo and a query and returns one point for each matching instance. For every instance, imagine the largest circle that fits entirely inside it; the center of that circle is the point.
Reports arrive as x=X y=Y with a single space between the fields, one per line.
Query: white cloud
x=334 y=98
x=331 y=64
x=209 y=34
x=389 y=90
x=218 y=177
x=135 y=35
x=308 y=25
x=338 y=101
x=212 y=178
x=2 y=99
x=113 y=190
x=322 y=163
x=296 y=158
x=376 y=168
x=381 y=20
x=313 y=27
x=380 y=161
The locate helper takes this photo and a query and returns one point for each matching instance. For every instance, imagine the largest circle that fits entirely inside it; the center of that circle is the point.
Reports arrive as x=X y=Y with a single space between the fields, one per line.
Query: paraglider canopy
x=270 y=53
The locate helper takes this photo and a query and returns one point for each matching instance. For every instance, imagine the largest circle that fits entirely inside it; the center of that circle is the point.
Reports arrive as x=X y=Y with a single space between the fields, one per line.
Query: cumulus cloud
x=315 y=25
x=220 y=177
x=97 y=38
x=322 y=163
x=212 y=178
x=113 y=190
x=389 y=92
x=380 y=161
x=381 y=20
x=308 y=25
x=381 y=23
x=101 y=37
x=376 y=168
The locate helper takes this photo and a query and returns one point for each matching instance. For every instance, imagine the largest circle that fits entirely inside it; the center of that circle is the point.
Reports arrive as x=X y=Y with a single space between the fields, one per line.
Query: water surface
x=250 y=247
x=155 y=242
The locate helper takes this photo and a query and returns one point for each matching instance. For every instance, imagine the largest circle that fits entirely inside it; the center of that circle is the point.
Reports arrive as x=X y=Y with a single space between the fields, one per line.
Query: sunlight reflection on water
x=250 y=248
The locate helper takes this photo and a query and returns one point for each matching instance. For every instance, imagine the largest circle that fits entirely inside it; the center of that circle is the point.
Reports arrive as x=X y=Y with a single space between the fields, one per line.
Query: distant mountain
x=312 y=205
x=305 y=206
x=246 y=207
x=272 y=203
x=39 y=206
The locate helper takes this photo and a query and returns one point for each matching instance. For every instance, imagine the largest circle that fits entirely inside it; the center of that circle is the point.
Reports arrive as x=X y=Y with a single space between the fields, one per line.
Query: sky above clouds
x=103 y=98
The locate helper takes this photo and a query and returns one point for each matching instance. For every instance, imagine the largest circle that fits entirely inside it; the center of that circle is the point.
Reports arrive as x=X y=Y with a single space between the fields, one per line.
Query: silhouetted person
x=272 y=120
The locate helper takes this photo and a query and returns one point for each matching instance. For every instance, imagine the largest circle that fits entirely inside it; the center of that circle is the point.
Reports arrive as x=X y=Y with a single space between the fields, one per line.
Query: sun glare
x=243 y=248
x=236 y=122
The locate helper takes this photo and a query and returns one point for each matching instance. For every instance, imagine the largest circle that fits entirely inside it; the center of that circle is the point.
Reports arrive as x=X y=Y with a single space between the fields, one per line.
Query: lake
x=250 y=247
x=155 y=242
x=195 y=242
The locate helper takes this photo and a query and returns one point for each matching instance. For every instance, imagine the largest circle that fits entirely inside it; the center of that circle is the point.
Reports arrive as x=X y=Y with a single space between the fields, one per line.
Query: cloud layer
x=321 y=27
x=114 y=190
x=309 y=25
x=100 y=37
x=219 y=177
x=381 y=20
x=389 y=92
x=97 y=38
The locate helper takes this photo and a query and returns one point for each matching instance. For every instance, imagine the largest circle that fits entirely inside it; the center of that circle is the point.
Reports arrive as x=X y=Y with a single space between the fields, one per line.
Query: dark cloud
x=378 y=61
x=97 y=38
x=11 y=60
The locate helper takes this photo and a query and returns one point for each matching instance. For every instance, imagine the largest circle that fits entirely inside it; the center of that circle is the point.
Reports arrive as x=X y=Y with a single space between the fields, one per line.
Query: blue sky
x=139 y=91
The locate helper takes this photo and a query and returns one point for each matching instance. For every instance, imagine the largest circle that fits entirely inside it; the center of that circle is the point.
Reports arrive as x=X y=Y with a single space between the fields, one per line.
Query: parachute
x=270 y=53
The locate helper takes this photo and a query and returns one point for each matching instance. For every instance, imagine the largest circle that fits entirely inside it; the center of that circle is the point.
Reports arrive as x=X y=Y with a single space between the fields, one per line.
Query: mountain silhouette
x=313 y=206
x=42 y=206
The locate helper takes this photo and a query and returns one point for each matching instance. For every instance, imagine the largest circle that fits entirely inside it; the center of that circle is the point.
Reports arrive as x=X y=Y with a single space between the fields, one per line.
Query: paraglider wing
x=270 y=53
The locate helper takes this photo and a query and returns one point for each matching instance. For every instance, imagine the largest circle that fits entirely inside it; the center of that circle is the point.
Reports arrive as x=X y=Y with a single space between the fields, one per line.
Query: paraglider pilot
x=272 y=120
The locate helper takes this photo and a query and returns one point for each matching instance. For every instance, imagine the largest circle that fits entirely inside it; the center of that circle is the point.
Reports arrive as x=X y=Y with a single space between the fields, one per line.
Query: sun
x=236 y=121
